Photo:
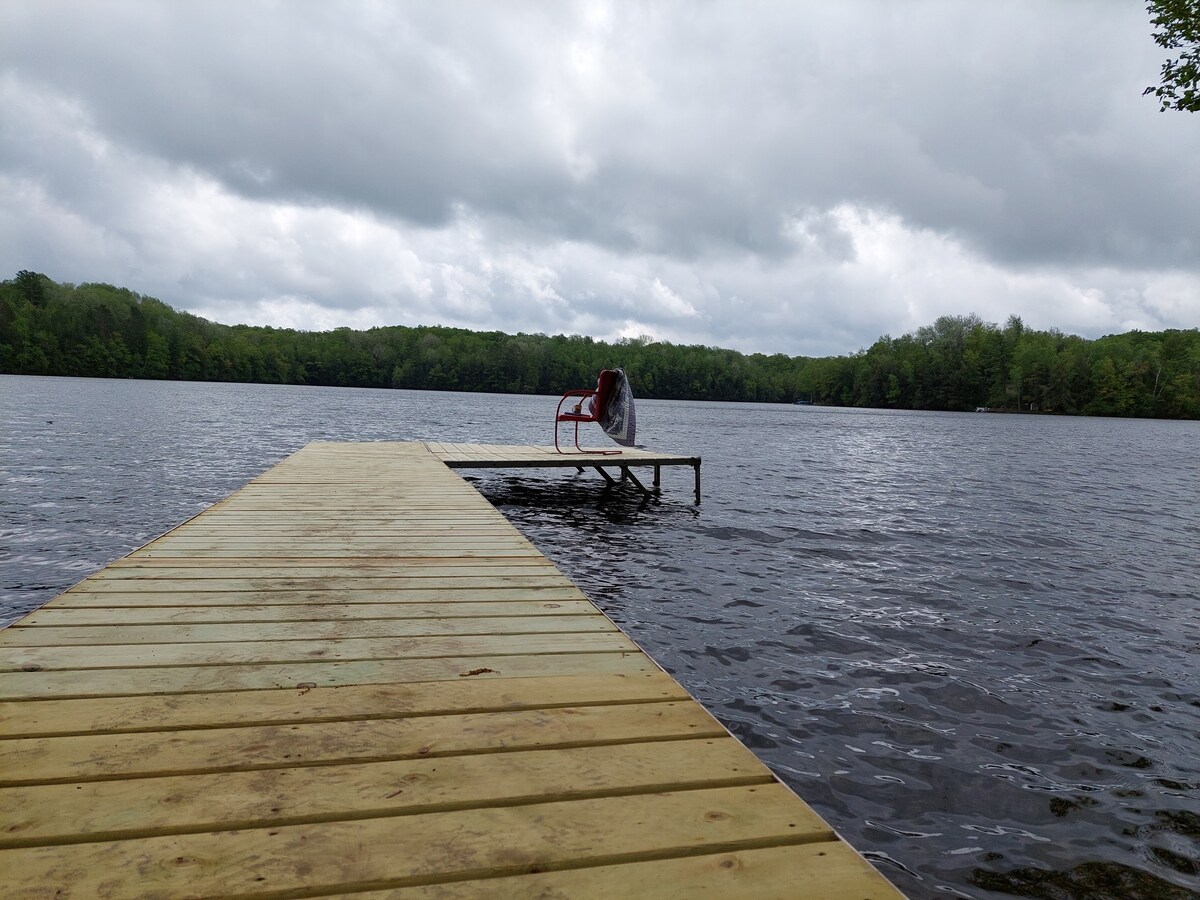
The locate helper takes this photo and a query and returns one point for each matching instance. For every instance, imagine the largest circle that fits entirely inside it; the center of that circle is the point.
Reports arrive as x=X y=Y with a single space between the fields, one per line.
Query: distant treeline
x=957 y=363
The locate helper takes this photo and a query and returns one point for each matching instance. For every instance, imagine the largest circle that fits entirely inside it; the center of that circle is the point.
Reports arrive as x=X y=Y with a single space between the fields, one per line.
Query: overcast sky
x=795 y=177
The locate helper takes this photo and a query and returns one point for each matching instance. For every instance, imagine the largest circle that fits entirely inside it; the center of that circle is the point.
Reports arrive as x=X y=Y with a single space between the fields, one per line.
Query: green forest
x=957 y=363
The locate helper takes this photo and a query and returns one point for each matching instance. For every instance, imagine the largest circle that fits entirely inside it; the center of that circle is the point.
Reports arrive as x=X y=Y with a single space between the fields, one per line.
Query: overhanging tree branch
x=1177 y=24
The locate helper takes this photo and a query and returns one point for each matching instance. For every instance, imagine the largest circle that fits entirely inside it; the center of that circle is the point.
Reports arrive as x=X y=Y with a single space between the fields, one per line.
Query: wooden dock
x=355 y=678
x=531 y=456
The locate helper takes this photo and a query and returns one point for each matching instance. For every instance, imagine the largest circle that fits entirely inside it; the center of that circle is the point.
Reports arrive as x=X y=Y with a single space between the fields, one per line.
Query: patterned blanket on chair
x=618 y=419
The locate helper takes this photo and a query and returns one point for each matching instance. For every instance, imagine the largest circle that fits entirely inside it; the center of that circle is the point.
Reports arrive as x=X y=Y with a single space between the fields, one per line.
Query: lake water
x=971 y=642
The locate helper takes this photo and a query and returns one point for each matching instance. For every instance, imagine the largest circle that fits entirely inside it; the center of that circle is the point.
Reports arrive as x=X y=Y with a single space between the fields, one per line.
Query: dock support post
x=697 y=468
x=611 y=481
x=657 y=477
x=626 y=473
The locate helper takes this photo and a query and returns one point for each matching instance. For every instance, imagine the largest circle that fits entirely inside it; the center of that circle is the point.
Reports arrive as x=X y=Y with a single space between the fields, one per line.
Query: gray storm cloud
x=774 y=177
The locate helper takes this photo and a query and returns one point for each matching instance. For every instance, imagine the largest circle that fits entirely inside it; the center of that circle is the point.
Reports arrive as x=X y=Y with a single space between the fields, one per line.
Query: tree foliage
x=957 y=363
x=1177 y=27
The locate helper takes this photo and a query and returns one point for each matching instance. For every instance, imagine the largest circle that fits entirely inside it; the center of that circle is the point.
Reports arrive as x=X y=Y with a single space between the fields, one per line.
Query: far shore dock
x=354 y=677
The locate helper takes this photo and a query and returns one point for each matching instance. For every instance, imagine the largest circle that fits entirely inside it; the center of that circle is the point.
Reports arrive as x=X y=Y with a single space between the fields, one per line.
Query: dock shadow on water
x=970 y=642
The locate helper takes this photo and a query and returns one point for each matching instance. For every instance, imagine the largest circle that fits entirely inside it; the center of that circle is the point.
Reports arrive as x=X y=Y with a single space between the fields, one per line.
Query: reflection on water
x=970 y=641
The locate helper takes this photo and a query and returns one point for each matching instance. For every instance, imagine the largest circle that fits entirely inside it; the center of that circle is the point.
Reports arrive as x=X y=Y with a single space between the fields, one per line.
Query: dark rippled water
x=972 y=642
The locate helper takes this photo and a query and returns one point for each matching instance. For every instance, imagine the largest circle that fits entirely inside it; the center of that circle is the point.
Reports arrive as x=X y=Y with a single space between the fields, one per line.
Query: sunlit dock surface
x=354 y=677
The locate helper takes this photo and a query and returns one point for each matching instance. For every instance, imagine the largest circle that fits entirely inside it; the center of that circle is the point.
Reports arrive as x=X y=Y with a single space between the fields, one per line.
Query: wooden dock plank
x=437 y=537
x=108 y=810
x=313 y=630
x=275 y=555
x=822 y=871
x=114 y=756
x=120 y=656
x=337 y=608
x=355 y=677
x=371 y=567
x=246 y=592
x=483 y=842
x=531 y=455
x=262 y=676
x=166 y=712
x=369 y=589
x=228 y=581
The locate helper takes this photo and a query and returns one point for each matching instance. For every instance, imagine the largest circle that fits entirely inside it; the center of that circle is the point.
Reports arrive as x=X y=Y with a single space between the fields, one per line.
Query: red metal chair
x=588 y=408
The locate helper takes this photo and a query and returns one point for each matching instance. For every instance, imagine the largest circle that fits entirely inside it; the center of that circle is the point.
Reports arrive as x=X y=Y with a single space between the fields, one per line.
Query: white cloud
x=795 y=178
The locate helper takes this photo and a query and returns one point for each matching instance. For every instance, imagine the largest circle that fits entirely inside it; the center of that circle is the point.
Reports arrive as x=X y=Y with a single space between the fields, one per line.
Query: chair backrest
x=604 y=388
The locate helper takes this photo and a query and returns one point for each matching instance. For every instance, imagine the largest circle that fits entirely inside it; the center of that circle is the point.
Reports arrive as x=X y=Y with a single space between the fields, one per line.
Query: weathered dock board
x=354 y=678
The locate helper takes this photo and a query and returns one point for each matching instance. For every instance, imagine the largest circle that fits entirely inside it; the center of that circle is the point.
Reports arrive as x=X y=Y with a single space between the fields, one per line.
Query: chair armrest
x=576 y=414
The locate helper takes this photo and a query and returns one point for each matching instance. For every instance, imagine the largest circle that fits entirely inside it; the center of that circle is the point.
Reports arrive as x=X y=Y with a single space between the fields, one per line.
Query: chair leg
x=579 y=449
